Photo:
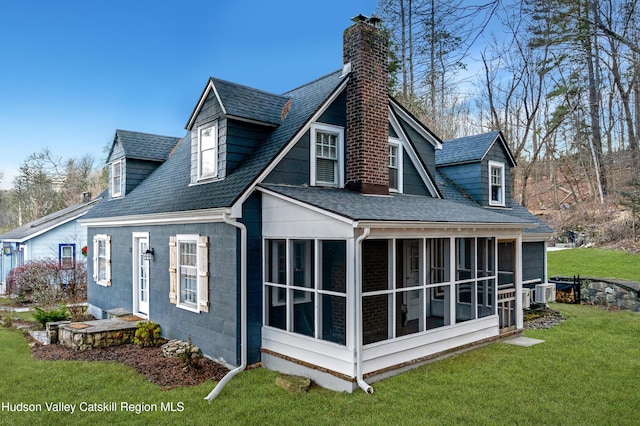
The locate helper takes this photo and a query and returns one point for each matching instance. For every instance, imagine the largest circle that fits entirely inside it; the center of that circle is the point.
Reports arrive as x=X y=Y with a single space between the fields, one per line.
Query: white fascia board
x=408 y=147
x=505 y=148
x=191 y=216
x=536 y=238
x=236 y=209
x=419 y=127
x=306 y=206
x=377 y=224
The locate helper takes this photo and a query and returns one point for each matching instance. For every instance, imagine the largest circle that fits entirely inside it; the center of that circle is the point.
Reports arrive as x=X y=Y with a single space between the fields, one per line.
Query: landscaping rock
x=176 y=348
x=293 y=383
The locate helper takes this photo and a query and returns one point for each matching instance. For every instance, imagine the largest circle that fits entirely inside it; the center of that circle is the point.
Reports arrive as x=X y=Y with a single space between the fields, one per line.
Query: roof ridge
x=313 y=81
x=221 y=80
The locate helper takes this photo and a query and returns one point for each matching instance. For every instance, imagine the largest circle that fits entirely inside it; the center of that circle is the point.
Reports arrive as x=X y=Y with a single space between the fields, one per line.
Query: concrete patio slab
x=523 y=341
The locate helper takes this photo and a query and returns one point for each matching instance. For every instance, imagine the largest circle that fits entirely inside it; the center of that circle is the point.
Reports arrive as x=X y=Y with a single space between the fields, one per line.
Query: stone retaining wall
x=88 y=340
x=609 y=294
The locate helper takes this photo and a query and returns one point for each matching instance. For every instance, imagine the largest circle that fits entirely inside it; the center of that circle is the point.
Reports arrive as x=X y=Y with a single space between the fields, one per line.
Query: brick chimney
x=365 y=47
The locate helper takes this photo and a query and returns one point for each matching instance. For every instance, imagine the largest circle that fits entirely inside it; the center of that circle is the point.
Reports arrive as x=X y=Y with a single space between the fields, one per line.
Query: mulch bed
x=150 y=361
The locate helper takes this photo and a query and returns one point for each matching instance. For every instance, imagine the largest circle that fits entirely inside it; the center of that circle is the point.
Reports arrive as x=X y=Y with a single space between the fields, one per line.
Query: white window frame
x=67 y=260
x=116 y=191
x=214 y=129
x=201 y=272
x=497 y=165
x=339 y=175
x=103 y=279
x=189 y=239
x=399 y=164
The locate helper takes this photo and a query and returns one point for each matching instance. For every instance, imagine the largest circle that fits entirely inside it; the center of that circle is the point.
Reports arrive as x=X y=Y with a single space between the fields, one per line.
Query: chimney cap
x=374 y=20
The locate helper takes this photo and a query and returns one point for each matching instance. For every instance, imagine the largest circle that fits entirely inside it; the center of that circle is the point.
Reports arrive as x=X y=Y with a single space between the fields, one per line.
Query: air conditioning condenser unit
x=545 y=293
x=526 y=298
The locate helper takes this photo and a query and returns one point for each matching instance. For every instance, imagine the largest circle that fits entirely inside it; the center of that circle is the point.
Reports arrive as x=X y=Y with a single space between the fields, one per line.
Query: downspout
x=243 y=309
x=358 y=317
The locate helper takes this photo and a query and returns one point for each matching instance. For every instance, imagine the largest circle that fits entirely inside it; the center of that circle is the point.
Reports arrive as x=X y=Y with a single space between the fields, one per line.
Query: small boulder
x=293 y=383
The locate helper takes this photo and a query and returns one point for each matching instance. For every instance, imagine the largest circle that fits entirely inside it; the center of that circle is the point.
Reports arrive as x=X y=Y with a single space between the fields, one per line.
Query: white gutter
x=358 y=317
x=243 y=309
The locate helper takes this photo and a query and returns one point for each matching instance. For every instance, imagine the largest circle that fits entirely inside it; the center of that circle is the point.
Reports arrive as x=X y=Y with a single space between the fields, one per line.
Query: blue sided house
x=324 y=232
x=56 y=236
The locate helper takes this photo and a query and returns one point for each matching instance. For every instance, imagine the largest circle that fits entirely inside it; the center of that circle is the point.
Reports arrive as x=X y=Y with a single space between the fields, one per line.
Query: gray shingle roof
x=465 y=150
x=246 y=102
x=38 y=226
x=393 y=208
x=145 y=146
x=168 y=188
x=518 y=210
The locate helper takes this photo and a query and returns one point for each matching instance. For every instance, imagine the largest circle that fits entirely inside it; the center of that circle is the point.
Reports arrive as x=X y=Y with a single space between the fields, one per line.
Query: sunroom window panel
x=375 y=318
x=303 y=312
x=438 y=259
x=375 y=265
x=485 y=298
x=465 y=258
x=303 y=260
x=334 y=318
x=409 y=305
x=276 y=261
x=437 y=304
x=276 y=307
x=334 y=266
x=465 y=302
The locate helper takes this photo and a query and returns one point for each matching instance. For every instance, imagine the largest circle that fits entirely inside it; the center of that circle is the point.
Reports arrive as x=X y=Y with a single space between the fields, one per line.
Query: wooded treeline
x=47 y=183
x=559 y=78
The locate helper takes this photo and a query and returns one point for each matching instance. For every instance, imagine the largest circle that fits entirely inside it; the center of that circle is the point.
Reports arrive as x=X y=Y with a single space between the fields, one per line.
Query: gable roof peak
x=143 y=146
x=242 y=102
x=470 y=149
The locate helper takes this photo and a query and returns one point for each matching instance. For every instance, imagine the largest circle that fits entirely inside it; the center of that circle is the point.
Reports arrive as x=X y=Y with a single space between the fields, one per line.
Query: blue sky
x=74 y=71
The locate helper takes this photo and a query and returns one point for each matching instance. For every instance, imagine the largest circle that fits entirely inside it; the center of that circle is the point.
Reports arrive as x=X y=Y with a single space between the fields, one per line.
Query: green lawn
x=586 y=372
x=599 y=263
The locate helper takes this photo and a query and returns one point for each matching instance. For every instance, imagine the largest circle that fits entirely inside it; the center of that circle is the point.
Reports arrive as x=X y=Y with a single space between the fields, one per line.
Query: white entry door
x=140 y=275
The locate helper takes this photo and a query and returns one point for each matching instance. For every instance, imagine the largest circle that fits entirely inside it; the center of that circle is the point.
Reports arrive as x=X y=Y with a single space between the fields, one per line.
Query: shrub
x=46 y=282
x=147 y=334
x=43 y=317
x=190 y=354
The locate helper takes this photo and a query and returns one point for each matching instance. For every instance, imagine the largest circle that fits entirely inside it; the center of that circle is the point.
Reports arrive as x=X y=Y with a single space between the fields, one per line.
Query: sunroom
x=348 y=301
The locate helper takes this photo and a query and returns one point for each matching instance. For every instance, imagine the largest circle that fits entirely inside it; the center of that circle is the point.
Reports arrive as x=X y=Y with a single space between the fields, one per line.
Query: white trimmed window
x=189 y=272
x=207 y=152
x=117 y=182
x=395 y=166
x=67 y=255
x=326 y=155
x=102 y=259
x=496 y=184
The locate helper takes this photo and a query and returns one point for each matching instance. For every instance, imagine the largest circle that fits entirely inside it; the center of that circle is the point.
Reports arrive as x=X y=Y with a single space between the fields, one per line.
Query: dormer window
x=326 y=155
x=207 y=152
x=496 y=184
x=116 y=178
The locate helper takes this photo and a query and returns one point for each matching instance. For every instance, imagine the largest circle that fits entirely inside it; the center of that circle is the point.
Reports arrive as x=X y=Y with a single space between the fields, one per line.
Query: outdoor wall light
x=148 y=255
